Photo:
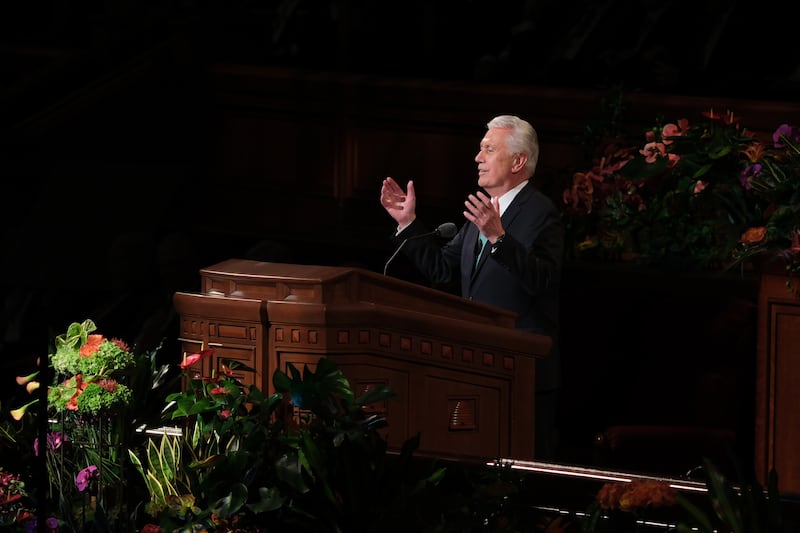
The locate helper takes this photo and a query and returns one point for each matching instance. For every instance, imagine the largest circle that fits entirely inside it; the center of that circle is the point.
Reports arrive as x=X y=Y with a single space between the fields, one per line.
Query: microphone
x=447 y=230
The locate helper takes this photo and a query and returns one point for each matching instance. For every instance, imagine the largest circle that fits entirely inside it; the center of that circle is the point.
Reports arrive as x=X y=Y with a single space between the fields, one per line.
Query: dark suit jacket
x=523 y=274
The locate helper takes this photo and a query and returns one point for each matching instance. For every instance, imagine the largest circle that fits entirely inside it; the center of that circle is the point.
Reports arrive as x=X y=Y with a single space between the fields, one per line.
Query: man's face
x=495 y=163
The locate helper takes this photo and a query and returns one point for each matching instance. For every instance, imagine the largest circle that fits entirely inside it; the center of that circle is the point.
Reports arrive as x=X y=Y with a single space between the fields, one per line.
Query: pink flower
x=670 y=130
x=699 y=186
x=784 y=131
x=85 y=477
x=54 y=442
x=652 y=151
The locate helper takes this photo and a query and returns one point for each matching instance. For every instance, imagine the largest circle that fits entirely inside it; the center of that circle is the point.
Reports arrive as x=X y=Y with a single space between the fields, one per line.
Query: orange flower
x=753 y=235
x=93 y=342
x=580 y=193
x=18 y=413
x=610 y=494
x=754 y=152
x=634 y=495
x=647 y=493
x=23 y=380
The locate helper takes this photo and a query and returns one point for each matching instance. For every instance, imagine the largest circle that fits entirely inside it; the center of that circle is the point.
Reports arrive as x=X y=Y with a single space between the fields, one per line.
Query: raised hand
x=484 y=212
x=401 y=205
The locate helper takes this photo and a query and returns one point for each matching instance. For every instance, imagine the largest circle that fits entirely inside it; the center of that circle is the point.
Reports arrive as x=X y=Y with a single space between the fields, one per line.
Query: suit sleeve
x=538 y=268
x=438 y=263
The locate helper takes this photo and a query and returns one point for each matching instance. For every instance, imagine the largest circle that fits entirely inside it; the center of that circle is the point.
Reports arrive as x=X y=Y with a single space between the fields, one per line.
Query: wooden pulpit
x=462 y=374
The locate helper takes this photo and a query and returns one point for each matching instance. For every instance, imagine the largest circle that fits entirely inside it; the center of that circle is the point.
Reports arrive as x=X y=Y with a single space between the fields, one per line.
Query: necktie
x=480 y=247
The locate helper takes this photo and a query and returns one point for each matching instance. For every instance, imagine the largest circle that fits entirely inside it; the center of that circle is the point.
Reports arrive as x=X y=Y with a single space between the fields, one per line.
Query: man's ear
x=519 y=162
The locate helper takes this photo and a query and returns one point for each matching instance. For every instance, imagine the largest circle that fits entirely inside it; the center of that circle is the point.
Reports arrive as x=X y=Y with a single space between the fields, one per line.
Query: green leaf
x=377 y=394
x=269 y=499
x=702 y=519
x=229 y=505
x=723 y=498
x=281 y=381
x=137 y=463
x=294 y=372
x=155 y=489
x=208 y=462
x=235 y=364
x=289 y=470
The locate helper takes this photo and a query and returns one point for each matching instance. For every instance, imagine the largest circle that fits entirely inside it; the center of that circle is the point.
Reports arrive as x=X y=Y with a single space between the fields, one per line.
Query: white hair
x=523 y=138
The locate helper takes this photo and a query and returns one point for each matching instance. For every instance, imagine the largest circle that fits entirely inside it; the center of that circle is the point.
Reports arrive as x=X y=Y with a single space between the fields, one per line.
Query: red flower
x=122 y=345
x=80 y=386
x=195 y=357
x=108 y=384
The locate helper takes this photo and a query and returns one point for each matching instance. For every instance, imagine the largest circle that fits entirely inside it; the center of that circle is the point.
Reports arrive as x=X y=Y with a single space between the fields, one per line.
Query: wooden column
x=777 y=424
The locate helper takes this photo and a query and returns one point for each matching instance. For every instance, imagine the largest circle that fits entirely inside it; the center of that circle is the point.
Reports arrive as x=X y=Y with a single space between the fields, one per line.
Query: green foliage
x=161 y=475
x=308 y=457
x=737 y=508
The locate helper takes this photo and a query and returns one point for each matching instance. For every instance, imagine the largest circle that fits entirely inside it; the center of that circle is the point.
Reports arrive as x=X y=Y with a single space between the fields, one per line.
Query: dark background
x=99 y=217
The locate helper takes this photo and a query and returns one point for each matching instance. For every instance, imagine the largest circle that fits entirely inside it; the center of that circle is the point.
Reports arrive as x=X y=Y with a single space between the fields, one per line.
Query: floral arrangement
x=772 y=174
x=85 y=366
x=701 y=195
x=89 y=403
x=90 y=362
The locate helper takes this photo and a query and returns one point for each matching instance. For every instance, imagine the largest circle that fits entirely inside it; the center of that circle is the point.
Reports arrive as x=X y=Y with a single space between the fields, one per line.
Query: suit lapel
x=511 y=213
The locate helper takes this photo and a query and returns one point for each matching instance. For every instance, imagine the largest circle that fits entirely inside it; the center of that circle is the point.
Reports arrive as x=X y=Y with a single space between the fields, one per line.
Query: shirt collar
x=507 y=198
